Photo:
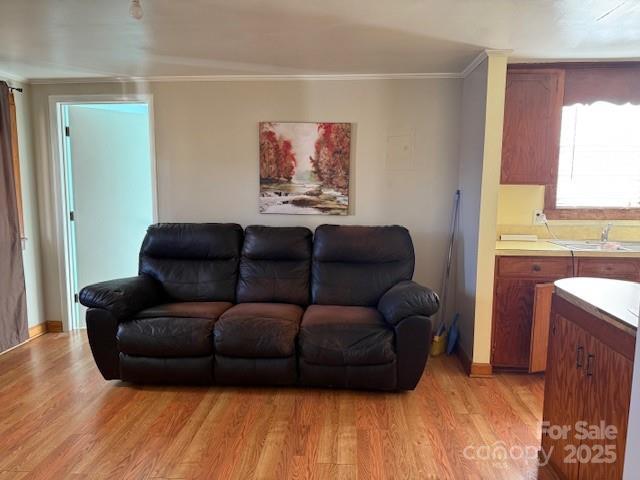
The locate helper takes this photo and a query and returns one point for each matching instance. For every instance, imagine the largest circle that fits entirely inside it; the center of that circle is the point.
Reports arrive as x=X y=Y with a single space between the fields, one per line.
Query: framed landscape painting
x=304 y=168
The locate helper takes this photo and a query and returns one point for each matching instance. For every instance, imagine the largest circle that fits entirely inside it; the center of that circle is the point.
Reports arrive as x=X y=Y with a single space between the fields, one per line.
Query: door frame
x=61 y=189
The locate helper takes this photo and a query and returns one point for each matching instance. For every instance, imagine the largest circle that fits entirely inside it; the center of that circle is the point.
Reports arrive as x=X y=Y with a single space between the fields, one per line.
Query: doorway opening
x=108 y=192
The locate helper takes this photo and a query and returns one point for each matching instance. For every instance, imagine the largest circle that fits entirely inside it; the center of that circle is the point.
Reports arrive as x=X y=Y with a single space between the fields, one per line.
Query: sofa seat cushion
x=340 y=335
x=258 y=330
x=158 y=370
x=367 y=377
x=255 y=371
x=210 y=310
x=166 y=337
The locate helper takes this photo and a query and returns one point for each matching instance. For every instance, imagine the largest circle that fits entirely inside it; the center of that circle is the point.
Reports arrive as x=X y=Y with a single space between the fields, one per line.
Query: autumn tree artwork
x=304 y=168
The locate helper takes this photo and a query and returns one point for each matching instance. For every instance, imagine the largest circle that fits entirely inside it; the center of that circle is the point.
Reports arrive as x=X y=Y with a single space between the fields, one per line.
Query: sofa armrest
x=406 y=299
x=123 y=297
x=414 y=335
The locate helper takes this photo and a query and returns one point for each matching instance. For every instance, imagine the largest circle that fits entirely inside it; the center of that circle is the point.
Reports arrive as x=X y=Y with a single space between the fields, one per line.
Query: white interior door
x=110 y=184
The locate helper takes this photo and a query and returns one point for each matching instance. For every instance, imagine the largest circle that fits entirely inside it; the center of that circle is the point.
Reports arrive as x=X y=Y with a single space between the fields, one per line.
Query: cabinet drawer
x=620 y=268
x=537 y=267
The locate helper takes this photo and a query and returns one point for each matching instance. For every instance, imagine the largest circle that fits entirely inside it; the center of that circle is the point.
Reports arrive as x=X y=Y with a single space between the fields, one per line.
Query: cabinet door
x=513 y=310
x=531 y=134
x=608 y=375
x=512 y=321
x=540 y=327
x=564 y=391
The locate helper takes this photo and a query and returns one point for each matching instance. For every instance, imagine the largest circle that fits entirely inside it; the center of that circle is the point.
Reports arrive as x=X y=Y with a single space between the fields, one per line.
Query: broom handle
x=447 y=272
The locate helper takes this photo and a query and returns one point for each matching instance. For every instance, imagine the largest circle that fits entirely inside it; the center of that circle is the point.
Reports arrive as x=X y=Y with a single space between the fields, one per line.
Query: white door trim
x=61 y=209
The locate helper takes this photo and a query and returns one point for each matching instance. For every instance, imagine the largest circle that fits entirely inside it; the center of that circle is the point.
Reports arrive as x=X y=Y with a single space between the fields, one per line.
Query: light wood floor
x=60 y=419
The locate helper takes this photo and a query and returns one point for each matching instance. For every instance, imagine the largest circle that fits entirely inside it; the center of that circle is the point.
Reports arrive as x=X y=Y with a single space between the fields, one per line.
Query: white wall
x=31 y=253
x=480 y=158
x=207 y=155
x=470 y=177
x=496 y=87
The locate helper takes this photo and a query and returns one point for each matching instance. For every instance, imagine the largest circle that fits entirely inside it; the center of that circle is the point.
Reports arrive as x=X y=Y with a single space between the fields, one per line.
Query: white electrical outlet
x=539 y=218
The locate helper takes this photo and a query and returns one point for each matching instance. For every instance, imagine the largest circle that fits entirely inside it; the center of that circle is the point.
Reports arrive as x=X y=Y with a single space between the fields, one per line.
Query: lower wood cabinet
x=587 y=384
x=616 y=268
x=512 y=325
x=516 y=283
x=564 y=390
x=522 y=302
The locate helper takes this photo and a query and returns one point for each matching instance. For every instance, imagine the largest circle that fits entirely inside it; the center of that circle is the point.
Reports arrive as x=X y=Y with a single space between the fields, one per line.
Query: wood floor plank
x=60 y=419
x=12 y=475
x=221 y=460
x=173 y=456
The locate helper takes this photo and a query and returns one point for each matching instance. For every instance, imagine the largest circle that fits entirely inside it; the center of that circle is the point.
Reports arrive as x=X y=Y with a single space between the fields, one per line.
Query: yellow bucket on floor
x=439 y=344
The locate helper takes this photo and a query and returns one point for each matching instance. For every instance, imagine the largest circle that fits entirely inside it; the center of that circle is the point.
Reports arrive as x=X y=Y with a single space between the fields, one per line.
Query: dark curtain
x=13 y=305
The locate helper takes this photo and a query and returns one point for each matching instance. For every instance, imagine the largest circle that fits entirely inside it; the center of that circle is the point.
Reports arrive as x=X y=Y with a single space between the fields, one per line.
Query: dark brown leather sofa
x=270 y=306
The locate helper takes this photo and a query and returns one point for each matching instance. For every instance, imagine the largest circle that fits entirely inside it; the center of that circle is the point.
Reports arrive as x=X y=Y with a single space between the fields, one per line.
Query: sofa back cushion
x=356 y=265
x=193 y=261
x=275 y=264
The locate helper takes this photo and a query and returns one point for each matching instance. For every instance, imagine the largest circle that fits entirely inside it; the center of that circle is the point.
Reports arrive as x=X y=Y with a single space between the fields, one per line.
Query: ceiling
x=97 y=38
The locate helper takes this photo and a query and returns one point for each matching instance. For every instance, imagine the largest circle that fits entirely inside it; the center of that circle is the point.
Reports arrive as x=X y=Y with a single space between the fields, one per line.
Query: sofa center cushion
x=345 y=335
x=210 y=310
x=258 y=330
x=166 y=337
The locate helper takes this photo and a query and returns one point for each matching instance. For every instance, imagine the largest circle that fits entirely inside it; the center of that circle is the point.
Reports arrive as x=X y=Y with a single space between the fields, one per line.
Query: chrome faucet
x=604 y=236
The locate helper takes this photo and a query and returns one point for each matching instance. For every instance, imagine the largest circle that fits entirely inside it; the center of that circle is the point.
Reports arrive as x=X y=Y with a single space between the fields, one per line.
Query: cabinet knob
x=536 y=267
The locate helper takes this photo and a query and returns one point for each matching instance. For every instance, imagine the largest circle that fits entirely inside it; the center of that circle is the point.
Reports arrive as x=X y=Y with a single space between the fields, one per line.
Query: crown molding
x=249 y=78
x=12 y=78
x=275 y=78
x=487 y=53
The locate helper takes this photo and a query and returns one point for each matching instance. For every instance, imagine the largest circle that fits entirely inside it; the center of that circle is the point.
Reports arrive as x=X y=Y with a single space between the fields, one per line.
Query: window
x=594 y=143
x=599 y=161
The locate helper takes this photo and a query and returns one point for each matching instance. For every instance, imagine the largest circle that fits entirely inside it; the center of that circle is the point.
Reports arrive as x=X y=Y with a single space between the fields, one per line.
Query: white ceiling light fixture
x=135 y=10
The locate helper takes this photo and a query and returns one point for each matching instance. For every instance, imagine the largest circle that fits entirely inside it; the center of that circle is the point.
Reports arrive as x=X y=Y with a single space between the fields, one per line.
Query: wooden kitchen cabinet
x=512 y=322
x=564 y=382
x=540 y=327
x=588 y=379
x=513 y=305
x=609 y=387
x=521 y=304
x=531 y=133
x=534 y=267
x=616 y=268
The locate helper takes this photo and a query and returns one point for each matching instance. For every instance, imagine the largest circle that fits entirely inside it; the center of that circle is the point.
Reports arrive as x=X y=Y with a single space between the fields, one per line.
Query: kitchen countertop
x=614 y=301
x=545 y=248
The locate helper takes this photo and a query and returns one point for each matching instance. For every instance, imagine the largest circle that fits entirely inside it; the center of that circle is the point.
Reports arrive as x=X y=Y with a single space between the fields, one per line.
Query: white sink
x=596 y=245
x=630 y=246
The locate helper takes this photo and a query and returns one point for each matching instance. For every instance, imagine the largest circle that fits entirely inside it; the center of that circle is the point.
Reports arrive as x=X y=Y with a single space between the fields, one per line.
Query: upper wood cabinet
x=531 y=134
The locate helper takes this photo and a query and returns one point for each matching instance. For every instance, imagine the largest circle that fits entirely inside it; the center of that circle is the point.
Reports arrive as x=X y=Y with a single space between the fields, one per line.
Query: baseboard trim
x=37 y=330
x=54 y=326
x=51 y=326
x=474 y=370
x=481 y=370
